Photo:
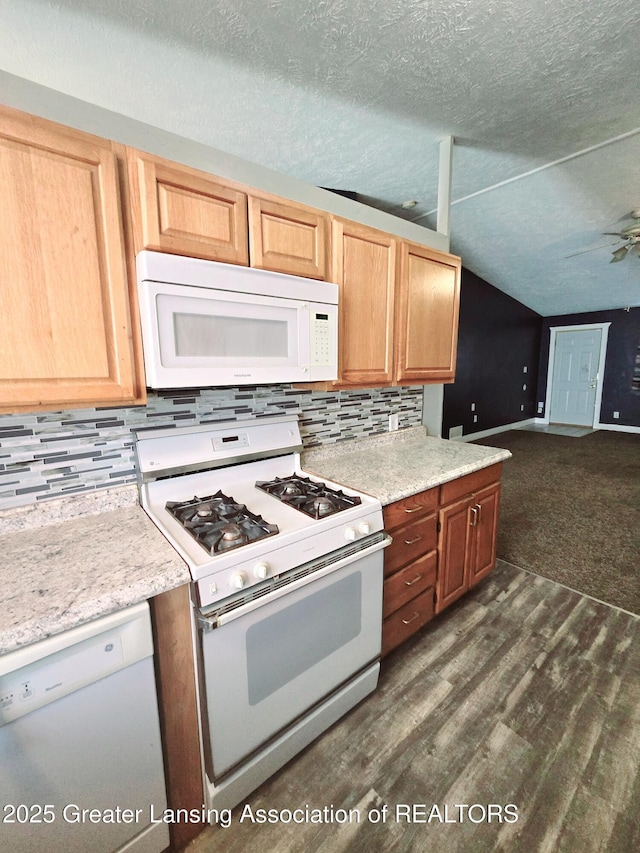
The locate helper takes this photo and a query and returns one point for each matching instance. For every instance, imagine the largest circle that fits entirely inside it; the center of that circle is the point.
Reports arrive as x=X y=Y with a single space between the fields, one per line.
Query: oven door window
x=275 y=655
x=269 y=666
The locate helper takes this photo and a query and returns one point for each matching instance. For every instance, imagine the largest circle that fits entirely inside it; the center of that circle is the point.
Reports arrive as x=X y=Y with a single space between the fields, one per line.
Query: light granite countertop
x=68 y=561
x=59 y=575
x=399 y=464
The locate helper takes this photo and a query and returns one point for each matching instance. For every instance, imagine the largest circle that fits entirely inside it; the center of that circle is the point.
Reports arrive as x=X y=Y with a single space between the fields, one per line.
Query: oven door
x=273 y=660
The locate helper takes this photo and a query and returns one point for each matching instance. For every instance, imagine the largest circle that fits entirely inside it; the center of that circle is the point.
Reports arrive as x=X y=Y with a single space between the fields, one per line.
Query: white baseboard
x=617 y=428
x=472 y=436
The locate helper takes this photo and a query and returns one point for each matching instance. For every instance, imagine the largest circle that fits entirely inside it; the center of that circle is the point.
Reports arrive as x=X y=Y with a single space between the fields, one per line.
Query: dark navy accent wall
x=621 y=387
x=497 y=338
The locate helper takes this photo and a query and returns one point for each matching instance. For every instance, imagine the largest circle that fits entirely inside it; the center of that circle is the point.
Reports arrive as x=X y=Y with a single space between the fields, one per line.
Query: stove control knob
x=364 y=527
x=350 y=534
x=237 y=580
x=261 y=571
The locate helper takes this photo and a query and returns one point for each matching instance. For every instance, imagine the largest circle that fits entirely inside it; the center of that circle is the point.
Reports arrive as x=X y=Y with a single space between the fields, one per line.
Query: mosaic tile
x=49 y=454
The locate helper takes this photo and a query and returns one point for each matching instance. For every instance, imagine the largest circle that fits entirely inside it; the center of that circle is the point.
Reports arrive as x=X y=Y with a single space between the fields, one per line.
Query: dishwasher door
x=80 y=753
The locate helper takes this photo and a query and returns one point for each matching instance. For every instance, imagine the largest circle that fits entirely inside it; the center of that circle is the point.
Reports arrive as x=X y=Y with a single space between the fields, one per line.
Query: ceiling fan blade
x=592 y=249
x=613 y=234
x=619 y=254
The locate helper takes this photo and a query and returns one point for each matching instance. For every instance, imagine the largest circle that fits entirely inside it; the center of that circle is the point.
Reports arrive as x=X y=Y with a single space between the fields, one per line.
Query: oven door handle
x=326 y=566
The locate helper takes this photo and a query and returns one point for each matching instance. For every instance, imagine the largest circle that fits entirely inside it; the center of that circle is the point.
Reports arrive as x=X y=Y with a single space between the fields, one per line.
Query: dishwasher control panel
x=39 y=674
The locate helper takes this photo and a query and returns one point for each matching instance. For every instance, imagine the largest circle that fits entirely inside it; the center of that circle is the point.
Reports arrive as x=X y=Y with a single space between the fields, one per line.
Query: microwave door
x=213 y=337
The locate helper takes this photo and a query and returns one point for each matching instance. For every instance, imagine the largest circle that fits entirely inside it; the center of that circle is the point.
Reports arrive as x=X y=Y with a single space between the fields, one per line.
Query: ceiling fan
x=630 y=236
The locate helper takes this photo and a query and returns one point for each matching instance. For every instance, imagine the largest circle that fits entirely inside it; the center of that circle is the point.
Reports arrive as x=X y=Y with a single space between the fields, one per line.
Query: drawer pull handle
x=474 y=516
x=415 y=509
x=412 y=541
x=415 y=580
x=415 y=616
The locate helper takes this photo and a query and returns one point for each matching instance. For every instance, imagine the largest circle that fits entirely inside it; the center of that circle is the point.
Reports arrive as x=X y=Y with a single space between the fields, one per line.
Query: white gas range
x=287 y=573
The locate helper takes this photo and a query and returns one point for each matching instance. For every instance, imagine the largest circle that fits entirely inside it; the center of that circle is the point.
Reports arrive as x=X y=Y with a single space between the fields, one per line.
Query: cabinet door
x=184 y=211
x=289 y=238
x=364 y=264
x=64 y=296
x=427 y=315
x=454 y=553
x=484 y=511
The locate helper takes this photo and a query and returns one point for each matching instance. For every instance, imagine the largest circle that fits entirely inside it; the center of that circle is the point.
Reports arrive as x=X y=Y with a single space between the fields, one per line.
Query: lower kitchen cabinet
x=409 y=567
x=444 y=542
x=468 y=521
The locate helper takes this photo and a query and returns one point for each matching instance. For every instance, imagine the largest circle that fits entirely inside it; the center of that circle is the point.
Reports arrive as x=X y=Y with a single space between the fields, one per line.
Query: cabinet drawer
x=415 y=506
x=405 y=622
x=411 y=542
x=456 y=489
x=409 y=582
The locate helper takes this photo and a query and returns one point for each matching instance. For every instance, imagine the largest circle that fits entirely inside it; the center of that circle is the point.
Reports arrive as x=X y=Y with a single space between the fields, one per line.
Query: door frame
x=604 y=329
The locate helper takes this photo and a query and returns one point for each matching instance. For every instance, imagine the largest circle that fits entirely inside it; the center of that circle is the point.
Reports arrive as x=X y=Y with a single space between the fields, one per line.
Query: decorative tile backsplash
x=47 y=455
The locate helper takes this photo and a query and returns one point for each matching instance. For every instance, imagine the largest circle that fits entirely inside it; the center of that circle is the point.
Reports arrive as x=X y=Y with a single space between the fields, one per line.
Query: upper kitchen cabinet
x=288 y=237
x=398 y=309
x=364 y=267
x=427 y=315
x=68 y=334
x=183 y=211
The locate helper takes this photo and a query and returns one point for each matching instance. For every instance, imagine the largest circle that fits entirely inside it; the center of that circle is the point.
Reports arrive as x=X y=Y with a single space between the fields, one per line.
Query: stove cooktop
x=234 y=501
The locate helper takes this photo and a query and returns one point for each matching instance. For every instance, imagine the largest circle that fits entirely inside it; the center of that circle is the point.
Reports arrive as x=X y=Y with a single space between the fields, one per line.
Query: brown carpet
x=570 y=511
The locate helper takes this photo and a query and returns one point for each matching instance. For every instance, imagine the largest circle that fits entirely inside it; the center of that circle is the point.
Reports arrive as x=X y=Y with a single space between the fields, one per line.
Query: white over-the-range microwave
x=206 y=323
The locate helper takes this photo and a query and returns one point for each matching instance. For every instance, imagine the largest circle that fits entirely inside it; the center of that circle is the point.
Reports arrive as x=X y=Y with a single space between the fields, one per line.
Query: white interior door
x=575 y=377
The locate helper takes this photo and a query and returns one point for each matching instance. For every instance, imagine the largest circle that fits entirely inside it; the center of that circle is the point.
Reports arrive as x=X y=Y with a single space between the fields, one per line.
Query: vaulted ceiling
x=541 y=97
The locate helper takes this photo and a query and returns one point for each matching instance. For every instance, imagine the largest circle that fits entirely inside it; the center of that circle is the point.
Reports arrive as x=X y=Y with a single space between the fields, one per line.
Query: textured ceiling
x=540 y=95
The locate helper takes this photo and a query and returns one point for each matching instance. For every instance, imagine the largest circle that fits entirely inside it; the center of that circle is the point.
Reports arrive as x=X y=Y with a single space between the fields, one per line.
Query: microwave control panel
x=322 y=343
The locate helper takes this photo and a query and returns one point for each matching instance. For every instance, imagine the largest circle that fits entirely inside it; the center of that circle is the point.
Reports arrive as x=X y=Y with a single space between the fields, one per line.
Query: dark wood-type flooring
x=524 y=693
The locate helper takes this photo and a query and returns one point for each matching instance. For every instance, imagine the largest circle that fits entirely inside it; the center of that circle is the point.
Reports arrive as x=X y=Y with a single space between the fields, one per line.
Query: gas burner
x=322 y=505
x=232 y=536
x=315 y=499
x=218 y=523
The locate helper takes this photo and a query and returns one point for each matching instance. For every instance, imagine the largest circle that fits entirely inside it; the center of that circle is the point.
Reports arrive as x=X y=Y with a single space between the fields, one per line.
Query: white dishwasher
x=80 y=753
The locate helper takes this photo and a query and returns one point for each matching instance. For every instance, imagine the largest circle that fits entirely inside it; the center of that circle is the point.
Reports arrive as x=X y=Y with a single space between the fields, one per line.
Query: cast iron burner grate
x=218 y=523
x=316 y=500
